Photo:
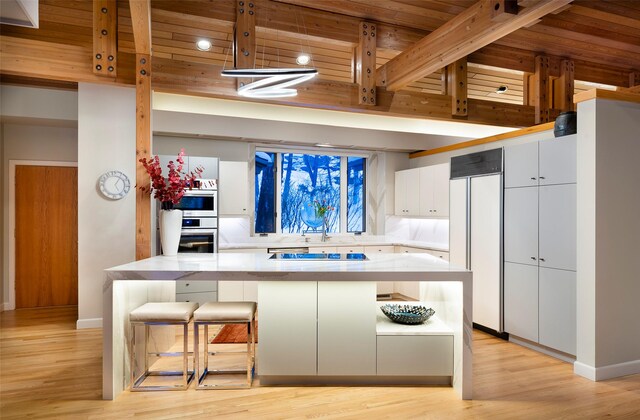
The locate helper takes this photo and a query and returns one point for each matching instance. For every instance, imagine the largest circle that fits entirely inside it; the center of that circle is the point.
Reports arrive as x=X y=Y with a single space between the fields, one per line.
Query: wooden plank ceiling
x=602 y=38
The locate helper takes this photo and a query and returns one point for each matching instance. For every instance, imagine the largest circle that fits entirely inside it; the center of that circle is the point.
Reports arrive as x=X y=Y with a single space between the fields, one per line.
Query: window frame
x=343 y=154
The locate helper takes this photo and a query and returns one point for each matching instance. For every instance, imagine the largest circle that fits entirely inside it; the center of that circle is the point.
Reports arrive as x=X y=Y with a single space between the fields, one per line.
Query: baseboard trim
x=6 y=306
x=606 y=372
x=82 y=324
x=565 y=357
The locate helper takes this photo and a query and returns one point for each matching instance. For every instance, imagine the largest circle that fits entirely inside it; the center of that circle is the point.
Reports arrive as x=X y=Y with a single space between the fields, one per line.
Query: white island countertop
x=253 y=266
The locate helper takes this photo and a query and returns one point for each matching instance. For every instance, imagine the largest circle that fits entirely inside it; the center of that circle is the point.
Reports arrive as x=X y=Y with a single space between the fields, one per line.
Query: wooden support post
x=366 y=64
x=105 y=41
x=457 y=78
x=563 y=87
x=541 y=90
x=526 y=89
x=143 y=150
x=141 y=23
x=244 y=38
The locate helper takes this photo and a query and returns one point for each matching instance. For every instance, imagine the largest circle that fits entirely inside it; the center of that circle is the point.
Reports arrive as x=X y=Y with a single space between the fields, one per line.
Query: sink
x=320 y=257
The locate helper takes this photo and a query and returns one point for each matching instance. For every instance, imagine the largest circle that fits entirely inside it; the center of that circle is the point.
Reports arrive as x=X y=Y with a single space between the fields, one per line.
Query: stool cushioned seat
x=163 y=312
x=225 y=311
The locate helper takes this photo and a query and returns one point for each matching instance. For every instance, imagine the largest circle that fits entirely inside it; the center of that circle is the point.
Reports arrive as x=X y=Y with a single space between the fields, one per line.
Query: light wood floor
x=51 y=370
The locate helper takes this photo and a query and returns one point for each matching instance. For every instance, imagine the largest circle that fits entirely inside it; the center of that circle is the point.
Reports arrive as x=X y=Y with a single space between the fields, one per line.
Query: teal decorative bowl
x=407 y=314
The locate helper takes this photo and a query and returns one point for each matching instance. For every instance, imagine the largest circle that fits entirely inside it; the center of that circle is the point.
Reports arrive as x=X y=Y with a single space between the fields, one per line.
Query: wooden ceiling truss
x=580 y=41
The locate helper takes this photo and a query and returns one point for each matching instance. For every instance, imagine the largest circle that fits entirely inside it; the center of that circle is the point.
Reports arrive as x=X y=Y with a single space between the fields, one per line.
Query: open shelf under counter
x=433 y=326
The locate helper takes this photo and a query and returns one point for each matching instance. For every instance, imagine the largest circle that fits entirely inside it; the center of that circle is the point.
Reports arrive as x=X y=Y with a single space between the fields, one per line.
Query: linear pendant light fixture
x=273 y=83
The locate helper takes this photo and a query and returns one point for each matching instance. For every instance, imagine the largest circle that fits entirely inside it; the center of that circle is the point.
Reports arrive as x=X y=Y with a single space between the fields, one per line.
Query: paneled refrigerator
x=476 y=230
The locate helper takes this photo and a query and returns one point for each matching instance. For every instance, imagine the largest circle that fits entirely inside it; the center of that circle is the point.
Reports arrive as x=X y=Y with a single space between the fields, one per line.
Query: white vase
x=170 y=227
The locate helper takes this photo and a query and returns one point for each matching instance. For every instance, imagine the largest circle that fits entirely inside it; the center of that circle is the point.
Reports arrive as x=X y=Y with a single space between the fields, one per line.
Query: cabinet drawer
x=415 y=355
x=350 y=249
x=201 y=298
x=440 y=254
x=196 y=286
x=370 y=249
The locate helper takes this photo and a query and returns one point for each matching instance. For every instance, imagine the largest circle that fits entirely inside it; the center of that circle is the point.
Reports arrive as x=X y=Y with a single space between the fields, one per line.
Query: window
x=356 y=176
x=265 y=192
x=304 y=180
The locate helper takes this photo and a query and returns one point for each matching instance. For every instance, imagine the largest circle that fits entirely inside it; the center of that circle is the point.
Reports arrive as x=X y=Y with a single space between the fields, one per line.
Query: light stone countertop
x=238 y=266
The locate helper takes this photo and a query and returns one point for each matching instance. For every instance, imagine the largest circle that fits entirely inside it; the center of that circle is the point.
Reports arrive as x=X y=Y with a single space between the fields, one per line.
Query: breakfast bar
x=319 y=319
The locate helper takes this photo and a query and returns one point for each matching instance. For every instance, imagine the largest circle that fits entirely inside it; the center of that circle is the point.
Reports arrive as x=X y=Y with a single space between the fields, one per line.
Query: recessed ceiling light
x=303 y=59
x=323 y=145
x=502 y=89
x=203 y=45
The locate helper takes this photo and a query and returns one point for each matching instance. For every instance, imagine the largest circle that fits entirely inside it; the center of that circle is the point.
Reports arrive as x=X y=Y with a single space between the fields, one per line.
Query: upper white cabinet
x=208 y=164
x=233 y=187
x=423 y=191
x=557 y=163
x=434 y=190
x=547 y=162
x=521 y=165
x=407 y=199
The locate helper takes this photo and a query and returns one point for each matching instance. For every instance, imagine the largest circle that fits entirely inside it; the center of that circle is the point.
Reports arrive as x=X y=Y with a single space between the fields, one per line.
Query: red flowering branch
x=169 y=190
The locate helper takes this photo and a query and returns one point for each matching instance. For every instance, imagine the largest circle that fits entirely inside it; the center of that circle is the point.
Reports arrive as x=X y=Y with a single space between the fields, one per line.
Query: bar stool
x=222 y=313
x=161 y=313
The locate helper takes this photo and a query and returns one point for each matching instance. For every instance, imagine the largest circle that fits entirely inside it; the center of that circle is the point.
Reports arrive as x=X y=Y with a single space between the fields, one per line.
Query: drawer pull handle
x=533 y=178
x=542 y=259
x=533 y=258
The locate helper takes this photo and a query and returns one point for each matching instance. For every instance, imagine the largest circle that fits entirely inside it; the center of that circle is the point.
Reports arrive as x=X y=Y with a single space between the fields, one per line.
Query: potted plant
x=169 y=191
x=321 y=209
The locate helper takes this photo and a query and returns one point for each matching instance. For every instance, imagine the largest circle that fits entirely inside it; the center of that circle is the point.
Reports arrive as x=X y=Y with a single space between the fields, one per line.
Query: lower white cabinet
x=196 y=291
x=558 y=309
x=346 y=328
x=540 y=305
x=415 y=355
x=231 y=291
x=288 y=327
x=521 y=300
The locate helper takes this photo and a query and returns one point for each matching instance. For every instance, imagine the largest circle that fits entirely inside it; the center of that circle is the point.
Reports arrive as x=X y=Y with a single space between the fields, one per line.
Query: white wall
x=608 y=230
x=223 y=149
x=41 y=105
x=30 y=142
x=446 y=157
x=106 y=228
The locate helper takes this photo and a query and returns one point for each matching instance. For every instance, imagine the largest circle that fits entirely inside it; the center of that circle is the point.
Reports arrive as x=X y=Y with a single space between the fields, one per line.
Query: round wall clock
x=114 y=185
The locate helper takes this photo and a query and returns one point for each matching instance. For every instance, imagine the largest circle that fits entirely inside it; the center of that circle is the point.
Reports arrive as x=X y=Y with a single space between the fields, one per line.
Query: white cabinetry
x=557 y=313
x=239 y=291
x=407 y=199
x=288 y=343
x=196 y=291
x=434 y=190
x=233 y=188
x=547 y=162
x=346 y=328
x=540 y=242
x=209 y=164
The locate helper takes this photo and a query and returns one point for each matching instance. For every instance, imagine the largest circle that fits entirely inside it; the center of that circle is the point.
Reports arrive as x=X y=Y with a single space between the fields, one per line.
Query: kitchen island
x=319 y=321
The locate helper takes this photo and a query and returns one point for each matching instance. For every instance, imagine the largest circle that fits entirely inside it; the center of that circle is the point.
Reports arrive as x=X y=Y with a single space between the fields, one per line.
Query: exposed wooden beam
x=141 y=24
x=491 y=139
x=54 y=61
x=105 y=38
x=563 y=87
x=479 y=25
x=539 y=90
x=143 y=150
x=625 y=96
x=244 y=38
x=457 y=79
x=365 y=64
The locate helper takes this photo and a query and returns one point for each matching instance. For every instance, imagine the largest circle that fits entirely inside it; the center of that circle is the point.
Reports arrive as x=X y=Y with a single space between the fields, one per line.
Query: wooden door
x=46 y=234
